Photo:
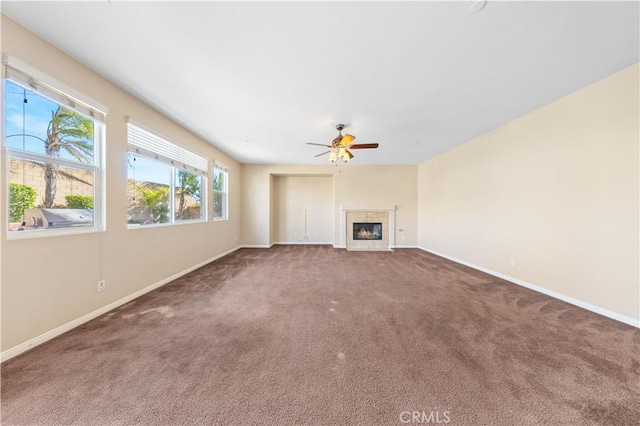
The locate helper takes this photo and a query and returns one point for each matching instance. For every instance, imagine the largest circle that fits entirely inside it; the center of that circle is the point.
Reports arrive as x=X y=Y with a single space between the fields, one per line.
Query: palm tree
x=189 y=184
x=70 y=132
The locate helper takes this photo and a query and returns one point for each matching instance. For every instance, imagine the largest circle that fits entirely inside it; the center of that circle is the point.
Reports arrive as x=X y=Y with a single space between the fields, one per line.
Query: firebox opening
x=367 y=231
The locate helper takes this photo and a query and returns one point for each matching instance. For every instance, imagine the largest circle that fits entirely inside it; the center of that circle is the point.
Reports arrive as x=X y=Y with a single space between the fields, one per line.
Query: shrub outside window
x=165 y=182
x=149 y=186
x=53 y=144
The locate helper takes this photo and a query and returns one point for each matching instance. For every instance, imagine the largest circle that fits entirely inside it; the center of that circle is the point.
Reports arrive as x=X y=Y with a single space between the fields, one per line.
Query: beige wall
x=302 y=209
x=353 y=185
x=555 y=190
x=47 y=282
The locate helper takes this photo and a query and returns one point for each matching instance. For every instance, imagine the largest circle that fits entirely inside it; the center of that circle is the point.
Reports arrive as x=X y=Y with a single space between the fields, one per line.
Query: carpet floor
x=316 y=335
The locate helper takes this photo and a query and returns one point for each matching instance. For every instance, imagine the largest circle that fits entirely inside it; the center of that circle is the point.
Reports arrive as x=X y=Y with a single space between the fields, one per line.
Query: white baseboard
x=394 y=247
x=32 y=343
x=301 y=243
x=579 y=303
x=305 y=243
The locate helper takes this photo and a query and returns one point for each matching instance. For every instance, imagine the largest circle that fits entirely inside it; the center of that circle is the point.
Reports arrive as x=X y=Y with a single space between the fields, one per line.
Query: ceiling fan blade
x=319 y=155
x=349 y=153
x=364 y=146
x=346 y=140
x=319 y=144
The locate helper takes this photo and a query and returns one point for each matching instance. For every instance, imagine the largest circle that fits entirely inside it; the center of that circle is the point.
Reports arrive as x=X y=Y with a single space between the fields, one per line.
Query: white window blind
x=27 y=76
x=149 y=144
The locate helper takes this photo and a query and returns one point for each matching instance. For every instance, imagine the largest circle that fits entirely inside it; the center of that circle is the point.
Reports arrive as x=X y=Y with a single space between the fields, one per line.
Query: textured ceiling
x=258 y=80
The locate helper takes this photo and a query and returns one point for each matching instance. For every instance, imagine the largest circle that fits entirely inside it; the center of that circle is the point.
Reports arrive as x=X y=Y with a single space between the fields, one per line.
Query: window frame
x=64 y=96
x=225 y=192
x=174 y=166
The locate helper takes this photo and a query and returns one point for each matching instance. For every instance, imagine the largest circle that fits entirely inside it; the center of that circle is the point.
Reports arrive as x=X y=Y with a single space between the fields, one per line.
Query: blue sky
x=37 y=113
x=148 y=170
x=26 y=124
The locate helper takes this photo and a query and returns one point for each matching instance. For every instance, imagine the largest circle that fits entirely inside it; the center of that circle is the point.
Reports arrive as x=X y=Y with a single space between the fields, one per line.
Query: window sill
x=45 y=233
x=165 y=225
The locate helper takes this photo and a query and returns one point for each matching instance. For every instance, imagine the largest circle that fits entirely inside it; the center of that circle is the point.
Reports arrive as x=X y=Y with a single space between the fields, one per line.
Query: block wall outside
x=78 y=182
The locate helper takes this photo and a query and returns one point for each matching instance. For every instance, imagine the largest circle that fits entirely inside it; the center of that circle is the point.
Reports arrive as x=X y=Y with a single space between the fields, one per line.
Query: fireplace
x=367 y=228
x=367 y=231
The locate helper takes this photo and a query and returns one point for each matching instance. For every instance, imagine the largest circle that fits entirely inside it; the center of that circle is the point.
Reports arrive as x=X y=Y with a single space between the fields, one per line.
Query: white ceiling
x=258 y=80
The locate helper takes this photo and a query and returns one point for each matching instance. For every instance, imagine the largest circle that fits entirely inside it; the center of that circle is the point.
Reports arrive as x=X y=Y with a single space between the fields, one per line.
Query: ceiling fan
x=340 y=146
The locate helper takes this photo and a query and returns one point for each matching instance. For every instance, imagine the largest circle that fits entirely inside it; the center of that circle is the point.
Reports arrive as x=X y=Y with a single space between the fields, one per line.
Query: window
x=220 y=192
x=53 y=139
x=165 y=182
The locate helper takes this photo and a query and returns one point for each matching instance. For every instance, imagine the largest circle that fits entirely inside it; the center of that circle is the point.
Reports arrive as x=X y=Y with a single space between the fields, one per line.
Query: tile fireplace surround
x=351 y=215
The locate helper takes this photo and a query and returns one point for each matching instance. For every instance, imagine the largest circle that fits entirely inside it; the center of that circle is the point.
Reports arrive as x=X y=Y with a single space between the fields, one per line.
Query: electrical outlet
x=512 y=261
x=102 y=285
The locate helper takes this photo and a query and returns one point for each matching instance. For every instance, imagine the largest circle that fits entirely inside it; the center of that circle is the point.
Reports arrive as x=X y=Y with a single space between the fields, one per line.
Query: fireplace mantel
x=367 y=209
x=391 y=210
